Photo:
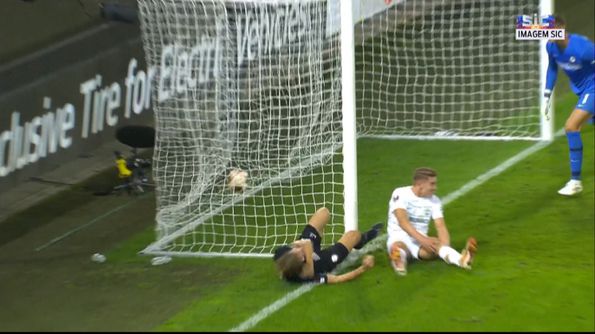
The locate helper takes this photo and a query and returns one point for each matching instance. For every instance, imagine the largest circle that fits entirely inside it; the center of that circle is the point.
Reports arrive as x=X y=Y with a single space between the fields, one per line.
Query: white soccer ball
x=237 y=180
x=98 y=257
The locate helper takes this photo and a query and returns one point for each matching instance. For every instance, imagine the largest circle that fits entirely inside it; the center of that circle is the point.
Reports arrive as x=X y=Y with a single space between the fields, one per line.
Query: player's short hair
x=423 y=173
x=559 y=21
x=280 y=251
x=289 y=265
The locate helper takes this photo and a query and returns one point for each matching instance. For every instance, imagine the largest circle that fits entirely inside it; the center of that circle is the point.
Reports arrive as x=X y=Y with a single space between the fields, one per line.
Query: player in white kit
x=410 y=210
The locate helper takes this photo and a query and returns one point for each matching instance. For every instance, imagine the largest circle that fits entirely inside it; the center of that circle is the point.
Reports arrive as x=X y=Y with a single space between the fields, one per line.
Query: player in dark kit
x=305 y=261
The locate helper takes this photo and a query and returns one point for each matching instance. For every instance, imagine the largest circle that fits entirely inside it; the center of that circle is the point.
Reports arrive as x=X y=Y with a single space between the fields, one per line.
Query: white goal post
x=282 y=89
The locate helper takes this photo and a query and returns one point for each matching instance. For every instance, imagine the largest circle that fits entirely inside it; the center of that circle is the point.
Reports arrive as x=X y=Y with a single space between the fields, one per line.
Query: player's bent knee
x=322 y=215
x=571 y=127
x=576 y=120
x=323 y=212
x=320 y=219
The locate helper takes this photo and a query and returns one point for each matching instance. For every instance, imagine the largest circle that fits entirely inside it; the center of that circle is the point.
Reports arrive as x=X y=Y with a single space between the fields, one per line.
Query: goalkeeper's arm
x=367 y=263
x=550 y=82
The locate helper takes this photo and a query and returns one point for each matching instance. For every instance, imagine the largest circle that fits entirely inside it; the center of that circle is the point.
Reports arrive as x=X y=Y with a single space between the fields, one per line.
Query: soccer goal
x=450 y=69
x=282 y=88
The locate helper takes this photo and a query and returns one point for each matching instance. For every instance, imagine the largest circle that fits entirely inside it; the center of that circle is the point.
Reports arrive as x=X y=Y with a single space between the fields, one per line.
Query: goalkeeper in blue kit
x=575 y=55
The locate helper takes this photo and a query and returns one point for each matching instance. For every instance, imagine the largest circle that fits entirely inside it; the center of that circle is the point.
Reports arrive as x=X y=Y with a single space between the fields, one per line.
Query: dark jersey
x=325 y=260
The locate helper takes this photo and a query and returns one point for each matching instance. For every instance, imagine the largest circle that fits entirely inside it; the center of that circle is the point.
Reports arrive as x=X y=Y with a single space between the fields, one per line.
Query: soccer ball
x=237 y=180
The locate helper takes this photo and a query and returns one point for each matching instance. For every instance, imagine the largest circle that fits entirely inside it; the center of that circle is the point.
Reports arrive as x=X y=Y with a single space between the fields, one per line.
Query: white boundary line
x=497 y=170
x=376 y=244
x=87 y=224
x=274 y=307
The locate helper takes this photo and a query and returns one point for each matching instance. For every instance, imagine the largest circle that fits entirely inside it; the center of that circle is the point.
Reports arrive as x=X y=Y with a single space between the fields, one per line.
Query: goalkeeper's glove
x=547 y=103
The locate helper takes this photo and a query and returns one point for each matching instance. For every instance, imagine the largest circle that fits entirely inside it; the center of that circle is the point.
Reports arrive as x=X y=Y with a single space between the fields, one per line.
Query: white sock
x=449 y=255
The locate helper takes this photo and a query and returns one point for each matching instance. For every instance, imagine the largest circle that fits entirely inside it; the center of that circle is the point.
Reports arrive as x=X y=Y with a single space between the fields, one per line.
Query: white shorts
x=411 y=243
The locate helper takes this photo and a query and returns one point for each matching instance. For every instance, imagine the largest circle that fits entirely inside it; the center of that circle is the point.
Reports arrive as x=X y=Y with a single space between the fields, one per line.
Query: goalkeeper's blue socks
x=575 y=144
x=368 y=235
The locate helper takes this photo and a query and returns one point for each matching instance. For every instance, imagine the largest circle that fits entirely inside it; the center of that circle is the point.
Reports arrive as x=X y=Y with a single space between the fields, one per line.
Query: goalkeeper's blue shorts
x=586 y=101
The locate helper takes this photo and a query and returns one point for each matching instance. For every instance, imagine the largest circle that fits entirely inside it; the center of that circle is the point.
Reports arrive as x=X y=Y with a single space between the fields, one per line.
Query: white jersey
x=419 y=209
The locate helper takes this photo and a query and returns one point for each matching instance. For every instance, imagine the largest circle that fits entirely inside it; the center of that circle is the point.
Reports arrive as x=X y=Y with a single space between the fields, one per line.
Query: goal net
x=448 y=69
x=257 y=85
x=242 y=84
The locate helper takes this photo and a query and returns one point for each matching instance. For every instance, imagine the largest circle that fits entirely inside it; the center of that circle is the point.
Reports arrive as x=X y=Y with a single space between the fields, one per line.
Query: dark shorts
x=329 y=257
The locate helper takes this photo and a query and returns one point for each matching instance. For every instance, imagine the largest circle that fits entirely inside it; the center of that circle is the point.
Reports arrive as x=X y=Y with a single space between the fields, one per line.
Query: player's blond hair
x=423 y=173
x=289 y=265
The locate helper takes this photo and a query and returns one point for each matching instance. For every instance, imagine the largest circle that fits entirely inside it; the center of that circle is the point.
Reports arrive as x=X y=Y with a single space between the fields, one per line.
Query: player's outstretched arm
x=367 y=263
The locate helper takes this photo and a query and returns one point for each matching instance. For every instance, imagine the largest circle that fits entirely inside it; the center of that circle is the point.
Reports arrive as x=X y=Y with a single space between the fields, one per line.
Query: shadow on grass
x=43 y=212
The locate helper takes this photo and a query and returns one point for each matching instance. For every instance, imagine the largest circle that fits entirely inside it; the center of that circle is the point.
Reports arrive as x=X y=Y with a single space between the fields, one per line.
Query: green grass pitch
x=533 y=272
